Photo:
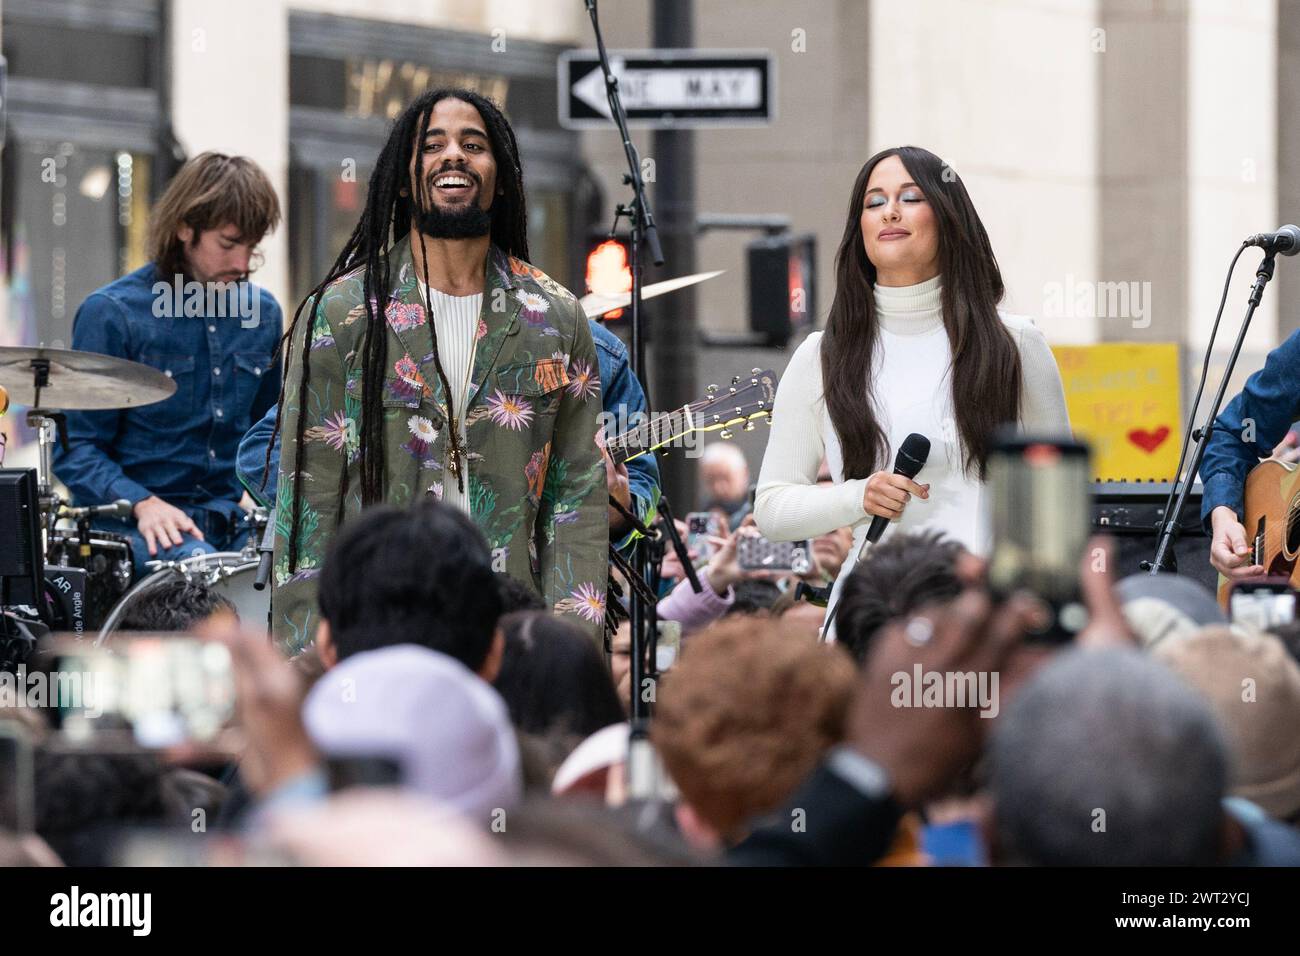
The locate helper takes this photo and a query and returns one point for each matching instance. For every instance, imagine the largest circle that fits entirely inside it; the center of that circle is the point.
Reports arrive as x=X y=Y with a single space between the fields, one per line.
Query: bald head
x=725 y=473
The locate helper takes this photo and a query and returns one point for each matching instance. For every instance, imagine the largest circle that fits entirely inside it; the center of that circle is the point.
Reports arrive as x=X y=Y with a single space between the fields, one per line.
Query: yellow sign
x=1124 y=399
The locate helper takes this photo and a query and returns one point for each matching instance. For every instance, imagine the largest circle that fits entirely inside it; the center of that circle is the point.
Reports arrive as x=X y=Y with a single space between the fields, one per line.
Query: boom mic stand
x=641 y=225
x=1166 y=559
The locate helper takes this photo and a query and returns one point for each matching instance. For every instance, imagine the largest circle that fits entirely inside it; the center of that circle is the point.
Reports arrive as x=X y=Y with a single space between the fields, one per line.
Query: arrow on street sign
x=664 y=89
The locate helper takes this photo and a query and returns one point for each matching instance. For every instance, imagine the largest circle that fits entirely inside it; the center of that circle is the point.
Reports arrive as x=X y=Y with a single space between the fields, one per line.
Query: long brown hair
x=210 y=191
x=986 y=385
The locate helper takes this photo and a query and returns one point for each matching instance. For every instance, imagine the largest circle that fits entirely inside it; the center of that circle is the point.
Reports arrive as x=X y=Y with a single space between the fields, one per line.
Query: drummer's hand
x=162 y=524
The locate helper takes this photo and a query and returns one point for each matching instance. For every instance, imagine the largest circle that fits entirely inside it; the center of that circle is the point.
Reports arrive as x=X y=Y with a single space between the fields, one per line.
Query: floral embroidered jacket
x=535 y=475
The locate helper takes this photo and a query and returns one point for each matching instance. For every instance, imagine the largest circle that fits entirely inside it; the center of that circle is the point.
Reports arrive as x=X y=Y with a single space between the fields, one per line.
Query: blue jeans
x=222 y=531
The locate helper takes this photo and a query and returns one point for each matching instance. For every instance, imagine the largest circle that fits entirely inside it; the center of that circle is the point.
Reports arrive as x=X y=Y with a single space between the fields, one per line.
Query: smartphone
x=165 y=690
x=668 y=644
x=1038 y=494
x=17 y=779
x=369 y=771
x=700 y=526
x=1262 y=603
x=756 y=553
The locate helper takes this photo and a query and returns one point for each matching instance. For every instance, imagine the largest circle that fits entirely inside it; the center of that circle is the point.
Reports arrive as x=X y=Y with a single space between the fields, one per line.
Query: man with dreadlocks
x=435 y=360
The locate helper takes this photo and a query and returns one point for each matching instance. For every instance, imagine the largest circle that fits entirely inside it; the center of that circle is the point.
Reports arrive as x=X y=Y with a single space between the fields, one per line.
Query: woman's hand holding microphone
x=888 y=494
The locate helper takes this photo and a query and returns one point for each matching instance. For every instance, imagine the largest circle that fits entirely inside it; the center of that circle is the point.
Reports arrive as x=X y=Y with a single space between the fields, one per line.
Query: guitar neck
x=649 y=435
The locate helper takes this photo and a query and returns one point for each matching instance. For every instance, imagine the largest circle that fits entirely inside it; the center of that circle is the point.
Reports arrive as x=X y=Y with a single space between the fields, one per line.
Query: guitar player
x=1256 y=424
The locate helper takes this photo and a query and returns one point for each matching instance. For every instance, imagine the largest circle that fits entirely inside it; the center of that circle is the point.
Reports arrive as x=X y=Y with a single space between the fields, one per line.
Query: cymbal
x=596 y=304
x=79 y=380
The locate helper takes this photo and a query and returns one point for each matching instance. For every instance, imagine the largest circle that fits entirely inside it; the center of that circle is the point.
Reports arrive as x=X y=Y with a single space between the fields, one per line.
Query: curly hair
x=896 y=578
x=745 y=717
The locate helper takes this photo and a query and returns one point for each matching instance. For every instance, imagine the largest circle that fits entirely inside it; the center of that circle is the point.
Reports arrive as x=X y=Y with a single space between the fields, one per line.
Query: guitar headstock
x=747 y=400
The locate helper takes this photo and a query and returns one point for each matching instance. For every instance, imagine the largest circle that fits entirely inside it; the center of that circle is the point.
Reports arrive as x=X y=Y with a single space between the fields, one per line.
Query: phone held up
x=1039 y=508
x=1262 y=603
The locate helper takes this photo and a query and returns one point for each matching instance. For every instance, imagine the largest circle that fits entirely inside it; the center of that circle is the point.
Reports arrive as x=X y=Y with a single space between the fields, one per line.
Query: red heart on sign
x=1149 y=441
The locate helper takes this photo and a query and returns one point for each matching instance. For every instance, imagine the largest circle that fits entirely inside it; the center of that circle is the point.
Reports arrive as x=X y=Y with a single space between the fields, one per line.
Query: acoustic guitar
x=747 y=400
x=1272 y=521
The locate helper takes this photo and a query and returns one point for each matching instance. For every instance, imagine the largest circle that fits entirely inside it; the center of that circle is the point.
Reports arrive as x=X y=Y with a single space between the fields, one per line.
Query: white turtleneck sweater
x=912 y=387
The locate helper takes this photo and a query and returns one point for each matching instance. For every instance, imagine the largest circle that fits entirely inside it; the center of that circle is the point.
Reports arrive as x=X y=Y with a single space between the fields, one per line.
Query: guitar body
x=1272 y=521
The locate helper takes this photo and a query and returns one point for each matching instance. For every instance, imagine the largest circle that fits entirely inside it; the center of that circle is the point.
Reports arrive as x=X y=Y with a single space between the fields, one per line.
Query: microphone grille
x=1293 y=234
x=913 y=453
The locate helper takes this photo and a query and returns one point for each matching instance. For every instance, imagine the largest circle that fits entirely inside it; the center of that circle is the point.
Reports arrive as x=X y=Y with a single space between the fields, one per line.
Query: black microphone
x=121 y=508
x=909 y=460
x=265 y=552
x=1286 y=241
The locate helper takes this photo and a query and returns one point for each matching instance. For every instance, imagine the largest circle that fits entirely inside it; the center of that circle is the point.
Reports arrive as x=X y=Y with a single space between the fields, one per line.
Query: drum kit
x=52 y=381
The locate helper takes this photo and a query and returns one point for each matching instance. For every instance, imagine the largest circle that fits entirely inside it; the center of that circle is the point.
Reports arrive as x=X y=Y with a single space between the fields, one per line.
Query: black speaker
x=21 y=562
x=1132 y=512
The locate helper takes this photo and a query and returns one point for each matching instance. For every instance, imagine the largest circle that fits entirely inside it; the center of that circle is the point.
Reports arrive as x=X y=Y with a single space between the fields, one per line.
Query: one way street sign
x=664 y=89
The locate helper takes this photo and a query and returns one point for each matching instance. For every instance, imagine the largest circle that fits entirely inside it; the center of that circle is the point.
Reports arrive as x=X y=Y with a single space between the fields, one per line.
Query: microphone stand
x=1166 y=559
x=641 y=226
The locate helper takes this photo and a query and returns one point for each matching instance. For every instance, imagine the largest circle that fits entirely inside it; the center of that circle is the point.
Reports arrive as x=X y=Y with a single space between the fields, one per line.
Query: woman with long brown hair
x=915 y=342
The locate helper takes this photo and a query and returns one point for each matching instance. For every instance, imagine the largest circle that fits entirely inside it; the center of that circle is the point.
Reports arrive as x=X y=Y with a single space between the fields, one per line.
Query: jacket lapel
x=408 y=323
x=498 y=319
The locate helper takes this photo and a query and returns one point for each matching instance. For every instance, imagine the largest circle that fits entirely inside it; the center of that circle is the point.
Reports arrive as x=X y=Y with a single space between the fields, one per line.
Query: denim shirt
x=619 y=387
x=181 y=449
x=1269 y=402
x=621 y=397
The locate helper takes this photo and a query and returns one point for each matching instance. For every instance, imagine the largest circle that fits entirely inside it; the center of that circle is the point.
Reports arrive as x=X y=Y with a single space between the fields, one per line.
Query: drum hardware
x=72 y=380
x=50 y=381
x=69 y=379
x=230 y=573
x=596 y=304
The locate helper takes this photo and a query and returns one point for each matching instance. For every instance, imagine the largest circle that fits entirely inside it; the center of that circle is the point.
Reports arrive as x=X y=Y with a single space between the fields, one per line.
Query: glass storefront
x=349 y=78
x=83 y=117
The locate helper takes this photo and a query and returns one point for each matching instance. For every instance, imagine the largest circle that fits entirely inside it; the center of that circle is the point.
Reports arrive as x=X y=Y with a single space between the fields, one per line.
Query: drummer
x=192 y=314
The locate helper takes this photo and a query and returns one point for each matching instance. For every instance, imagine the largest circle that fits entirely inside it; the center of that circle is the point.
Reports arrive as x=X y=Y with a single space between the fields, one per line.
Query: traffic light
x=609 y=270
x=782 y=286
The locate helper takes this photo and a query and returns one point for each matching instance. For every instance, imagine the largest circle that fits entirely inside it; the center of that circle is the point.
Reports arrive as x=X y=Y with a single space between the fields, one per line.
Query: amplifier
x=20 y=538
x=1133 y=511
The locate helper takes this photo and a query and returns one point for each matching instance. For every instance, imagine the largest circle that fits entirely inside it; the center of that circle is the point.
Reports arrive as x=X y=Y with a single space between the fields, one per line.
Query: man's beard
x=457 y=222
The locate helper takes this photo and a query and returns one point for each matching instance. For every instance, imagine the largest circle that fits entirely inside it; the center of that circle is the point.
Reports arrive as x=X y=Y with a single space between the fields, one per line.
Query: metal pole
x=673 y=327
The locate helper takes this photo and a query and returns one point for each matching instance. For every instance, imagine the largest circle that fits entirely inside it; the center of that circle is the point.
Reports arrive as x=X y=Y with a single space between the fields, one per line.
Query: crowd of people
x=445 y=716
x=446 y=679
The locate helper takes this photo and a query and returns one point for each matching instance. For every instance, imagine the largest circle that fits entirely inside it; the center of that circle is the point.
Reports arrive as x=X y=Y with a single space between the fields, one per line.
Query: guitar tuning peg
x=735 y=380
x=749 y=426
x=725 y=434
x=768 y=419
x=755 y=371
x=710 y=389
